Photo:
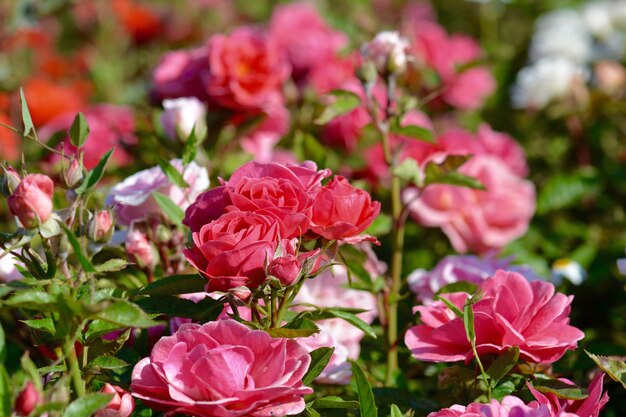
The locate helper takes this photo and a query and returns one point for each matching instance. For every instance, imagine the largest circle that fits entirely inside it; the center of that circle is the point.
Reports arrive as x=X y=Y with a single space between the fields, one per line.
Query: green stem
x=72 y=359
x=282 y=307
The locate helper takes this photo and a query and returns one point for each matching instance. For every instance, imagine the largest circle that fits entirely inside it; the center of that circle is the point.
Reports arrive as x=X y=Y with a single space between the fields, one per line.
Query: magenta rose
x=31 y=202
x=233 y=250
x=513 y=312
x=223 y=368
x=121 y=405
x=589 y=407
x=179 y=74
x=342 y=211
x=510 y=406
x=246 y=70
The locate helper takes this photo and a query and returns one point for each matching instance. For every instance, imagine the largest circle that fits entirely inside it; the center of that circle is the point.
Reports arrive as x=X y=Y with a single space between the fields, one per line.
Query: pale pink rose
x=388 y=51
x=261 y=141
x=181 y=115
x=477 y=220
x=510 y=406
x=8 y=271
x=512 y=312
x=121 y=405
x=139 y=248
x=305 y=38
x=223 y=368
x=100 y=226
x=247 y=71
x=31 y=202
x=109 y=126
x=132 y=199
x=589 y=407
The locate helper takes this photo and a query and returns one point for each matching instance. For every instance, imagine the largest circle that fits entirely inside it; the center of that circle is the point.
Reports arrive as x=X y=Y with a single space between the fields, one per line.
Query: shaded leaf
x=172 y=173
x=78 y=251
x=564 y=190
x=26 y=119
x=412 y=131
x=395 y=411
x=292 y=333
x=613 y=366
x=502 y=365
x=193 y=142
x=502 y=390
x=125 y=313
x=561 y=389
x=319 y=359
x=171 y=210
x=94 y=176
x=174 y=285
x=344 y=102
x=112 y=265
x=79 y=130
x=367 y=404
x=334 y=402
x=46 y=324
x=87 y=405
x=108 y=362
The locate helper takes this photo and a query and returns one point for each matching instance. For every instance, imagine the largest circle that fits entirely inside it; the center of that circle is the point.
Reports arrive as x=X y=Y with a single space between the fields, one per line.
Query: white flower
x=568 y=269
x=598 y=19
x=546 y=80
x=388 y=50
x=561 y=33
x=181 y=115
x=8 y=271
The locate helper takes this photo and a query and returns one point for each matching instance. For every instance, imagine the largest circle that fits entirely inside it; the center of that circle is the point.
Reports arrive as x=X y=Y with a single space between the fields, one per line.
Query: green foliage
x=319 y=359
x=79 y=131
x=344 y=102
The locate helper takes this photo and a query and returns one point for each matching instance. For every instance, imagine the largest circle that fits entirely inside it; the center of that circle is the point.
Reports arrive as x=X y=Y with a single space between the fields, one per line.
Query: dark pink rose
x=27 y=400
x=285 y=268
x=504 y=147
x=246 y=71
x=121 y=405
x=589 y=407
x=110 y=126
x=233 y=250
x=342 y=211
x=513 y=312
x=180 y=74
x=510 y=406
x=208 y=206
x=332 y=74
x=477 y=220
x=31 y=202
x=223 y=368
x=306 y=39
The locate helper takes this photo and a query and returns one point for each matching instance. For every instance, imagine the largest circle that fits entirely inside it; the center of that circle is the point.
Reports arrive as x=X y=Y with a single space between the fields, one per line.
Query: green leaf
x=334 y=402
x=26 y=119
x=329 y=313
x=459 y=286
x=344 y=102
x=31 y=300
x=310 y=412
x=565 y=190
x=319 y=359
x=408 y=171
x=457 y=311
x=446 y=173
x=502 y=365
x=613 y=366
x=502 y=390
x=45 y=325
x=125 y=313
x=193 y=142
x=412 y=131
x=112 y=265
x=95 y=175
x=381 y=225
x=291 y=333
x=561 y=389
x=174 y=285
x=108 y=362
x=5 y=392
x=101 y=347
x=171 y=210
x=172 y=173
x=367 y=404
x=78 y=251
x=3 y=346
x=79 y=130
x=87 y=406
x=395 y=411
x=204 y=310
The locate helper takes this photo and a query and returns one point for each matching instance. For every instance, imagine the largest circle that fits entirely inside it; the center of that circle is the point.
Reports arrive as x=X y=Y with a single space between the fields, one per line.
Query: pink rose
x=181 y=116
x=208 y=207
x=477 y=220
x=246 y=70
x=261 y=141
x=513 y=312
x=306 y=39
x=27 y=400
x=100 y=226
x=139 y=248
x=510 y=406
x=31 y=202
x=132 y=199
x=180 y=74
x=109 y=126
x=285 y=268
x=342 y=211
x=223 y=368
x=589 y=407
x=233 y=250
x=121 y=405
x=504 y=147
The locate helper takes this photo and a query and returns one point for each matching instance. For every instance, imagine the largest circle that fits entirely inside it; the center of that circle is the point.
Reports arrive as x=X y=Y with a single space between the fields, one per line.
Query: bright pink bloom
x=31 y=202
x=223 y=368
x=121 y=405
x=513 y=312
x=27 y=400
x=342 y=211
x=477 y=220
x=509 y=407
x=261 y=141
x=233 y=250
x=504 y=147
x=246 y=70
x=465 y=89
x=180 y=74
x=589 y=407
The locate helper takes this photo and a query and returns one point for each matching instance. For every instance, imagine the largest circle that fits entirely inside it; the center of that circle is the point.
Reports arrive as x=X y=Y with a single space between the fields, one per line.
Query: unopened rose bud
x=285 y=268
x=140 y=249
x=27 y=400
x=163 y=234
x=73 y=175
x=10 y=180
x=181 y=115
x=121 y=405
x=100 y=226
x=610 y=76
x=241 y=293
x=388 y=51
x=31 y=202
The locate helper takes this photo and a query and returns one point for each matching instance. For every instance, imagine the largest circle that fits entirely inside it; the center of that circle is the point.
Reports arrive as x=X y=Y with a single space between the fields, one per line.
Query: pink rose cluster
x=223 y=368
x=238 y=227
x=512 y=312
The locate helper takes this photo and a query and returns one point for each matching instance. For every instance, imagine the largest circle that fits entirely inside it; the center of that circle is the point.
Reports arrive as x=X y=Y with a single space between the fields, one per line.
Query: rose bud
x=610 y=76
x=73 y=175
x=10 y=180
x=100 y=226
x=139 y=248
x=121 y=405
x=388 y=51
x=181 y=115
x=285 y=268
x=242 y=293
x=31 y=202
x=27 y=400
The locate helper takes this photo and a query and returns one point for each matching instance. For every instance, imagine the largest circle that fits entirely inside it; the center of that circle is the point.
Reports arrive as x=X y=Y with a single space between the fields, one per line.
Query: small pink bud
x=286 y=269
x=100 y=226
x=242 y=293
x=74 y=174
x=10 y=180
x=140 y=249
x=121 y=405
x=27 y=400
x=31 y=202
x=388 y=51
